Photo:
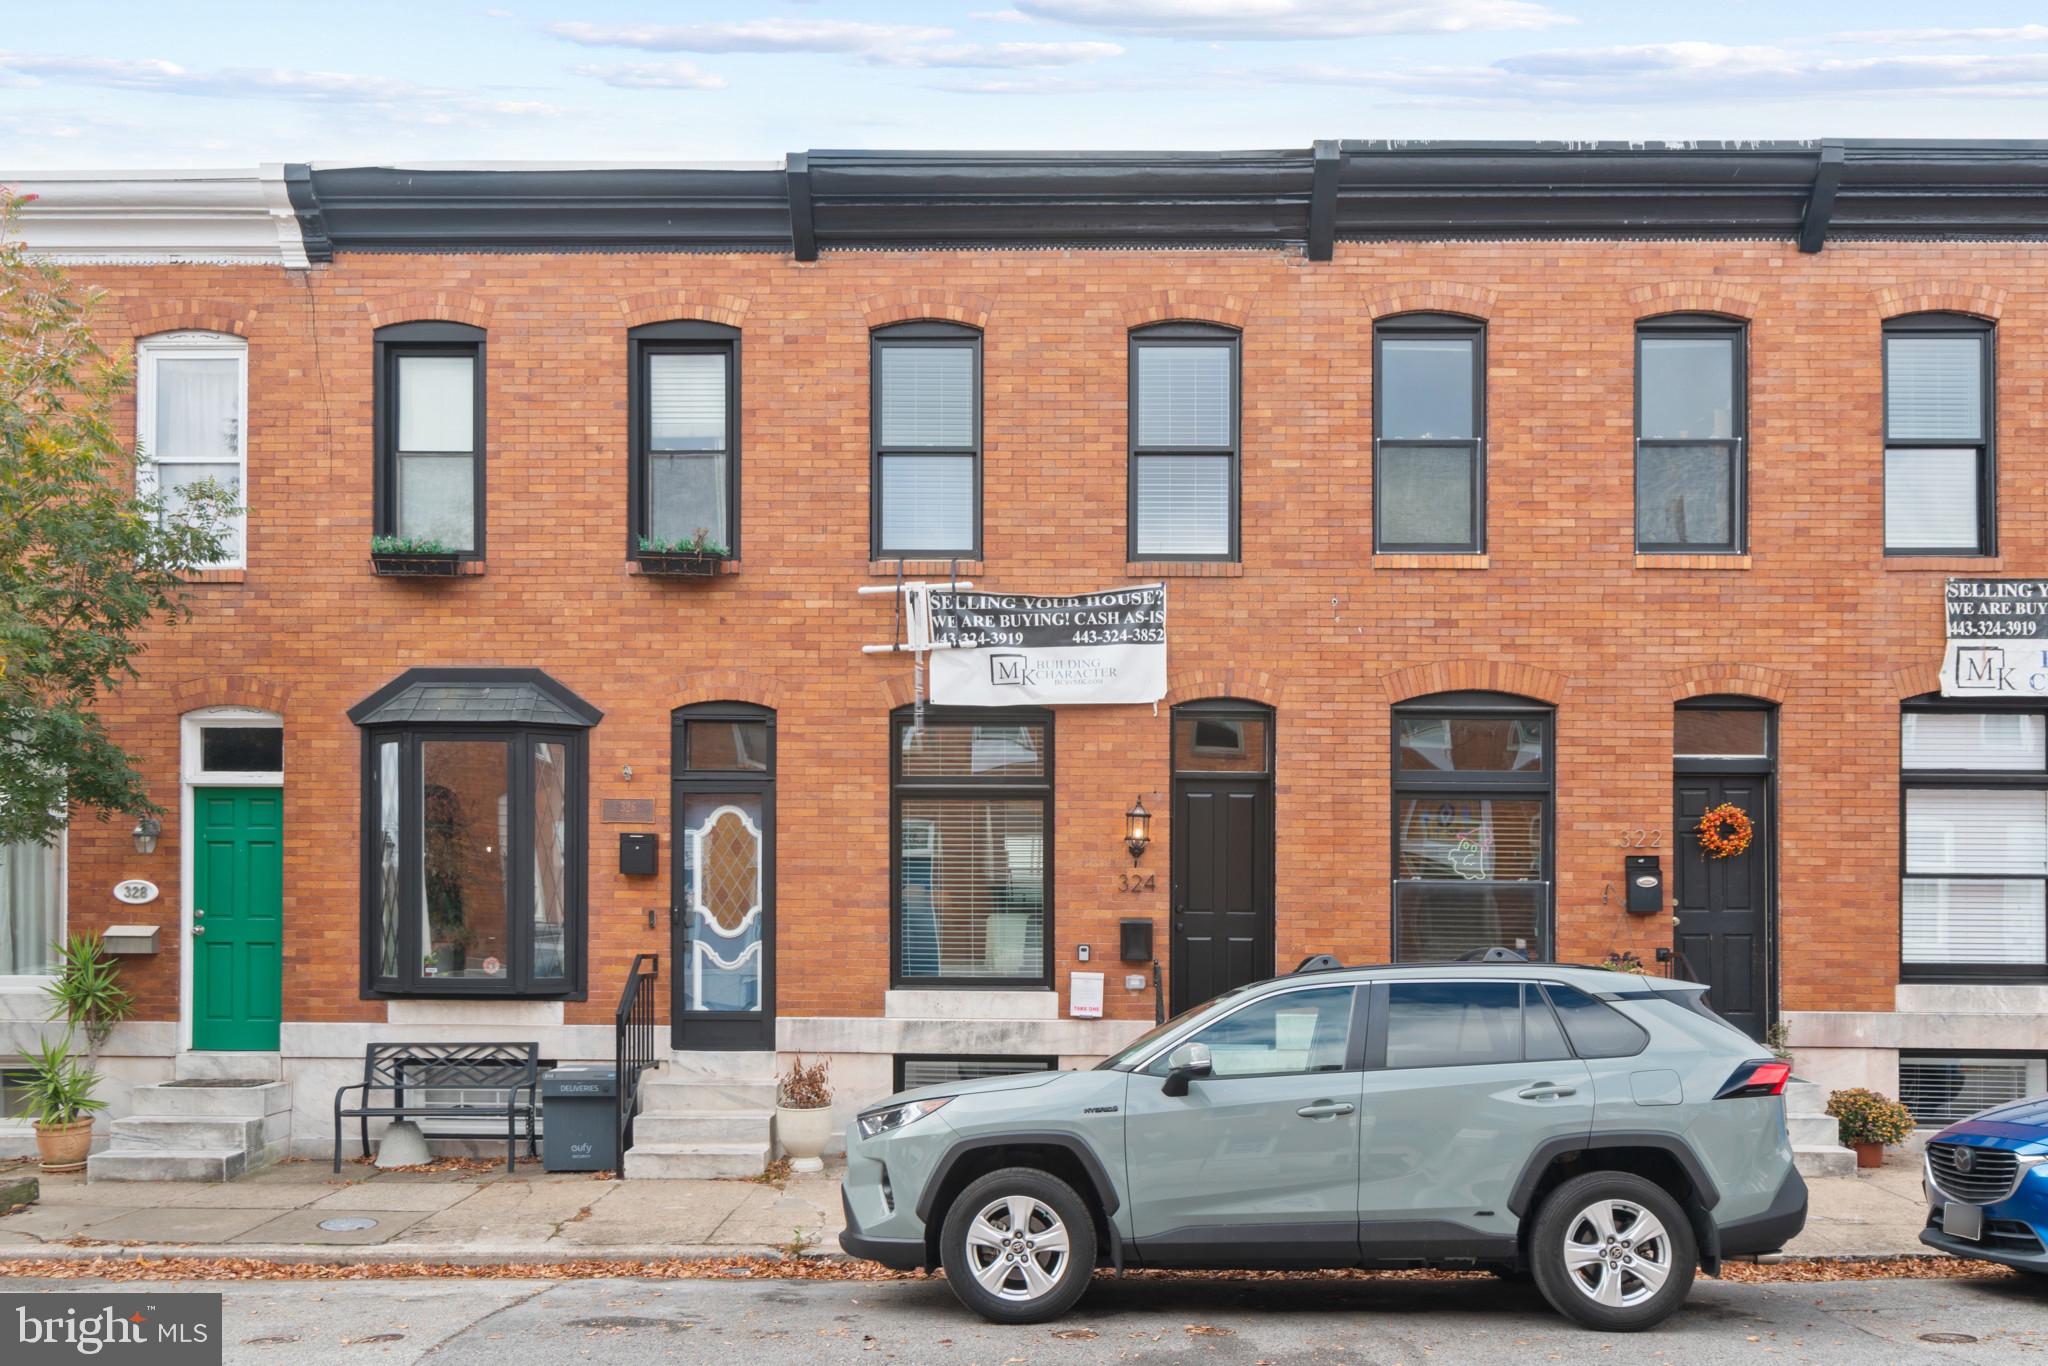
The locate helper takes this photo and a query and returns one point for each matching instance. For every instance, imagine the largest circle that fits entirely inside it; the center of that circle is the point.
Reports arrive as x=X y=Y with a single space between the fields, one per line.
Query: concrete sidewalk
x=533 y=1216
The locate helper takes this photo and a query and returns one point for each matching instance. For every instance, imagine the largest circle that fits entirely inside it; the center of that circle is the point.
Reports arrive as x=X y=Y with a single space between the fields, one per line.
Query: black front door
x=1222 y=885
x=1723 y=905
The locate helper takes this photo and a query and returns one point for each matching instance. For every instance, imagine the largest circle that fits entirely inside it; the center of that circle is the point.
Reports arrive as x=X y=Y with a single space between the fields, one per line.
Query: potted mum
x=1870 y=1122
x=61 y=1102
x=803 y=1113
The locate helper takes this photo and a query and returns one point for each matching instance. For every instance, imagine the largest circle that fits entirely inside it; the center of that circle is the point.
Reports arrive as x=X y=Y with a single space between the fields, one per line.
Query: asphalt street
x=1366 y=1323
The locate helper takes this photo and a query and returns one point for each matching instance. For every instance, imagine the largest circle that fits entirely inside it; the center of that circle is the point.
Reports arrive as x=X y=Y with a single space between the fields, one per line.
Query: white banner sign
x=1997 y=638
x=1014 y=649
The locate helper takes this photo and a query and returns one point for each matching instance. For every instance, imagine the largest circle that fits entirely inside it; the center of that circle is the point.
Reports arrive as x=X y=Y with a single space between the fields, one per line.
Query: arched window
x=925 y=441
x=192 y=422
x=1691 y=430
x=1940 y=475
x=1473 y=810
x=1184 y=442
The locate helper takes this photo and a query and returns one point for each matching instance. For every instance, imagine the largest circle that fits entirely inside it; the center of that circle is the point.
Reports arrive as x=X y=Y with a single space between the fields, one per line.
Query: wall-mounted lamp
x=1137 y=829
x=146 y=831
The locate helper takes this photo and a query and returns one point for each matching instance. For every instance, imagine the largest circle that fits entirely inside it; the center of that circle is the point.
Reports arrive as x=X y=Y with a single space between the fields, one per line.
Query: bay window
x=430 y=435
x=1939 y=474
x=191 y=416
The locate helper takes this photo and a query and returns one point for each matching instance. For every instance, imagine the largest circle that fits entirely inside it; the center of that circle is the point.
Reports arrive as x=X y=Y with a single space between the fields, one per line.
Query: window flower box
x=393 y=557
x=696 y=557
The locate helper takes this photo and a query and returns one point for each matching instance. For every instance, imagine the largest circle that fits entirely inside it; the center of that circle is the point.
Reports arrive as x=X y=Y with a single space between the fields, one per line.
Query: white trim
x=194 y=346
x=191 y=775
x=218 y=217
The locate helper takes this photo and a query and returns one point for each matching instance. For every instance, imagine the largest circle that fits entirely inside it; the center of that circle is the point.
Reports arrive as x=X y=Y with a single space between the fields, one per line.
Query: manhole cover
x=351 y=1223
x=1948 y=1339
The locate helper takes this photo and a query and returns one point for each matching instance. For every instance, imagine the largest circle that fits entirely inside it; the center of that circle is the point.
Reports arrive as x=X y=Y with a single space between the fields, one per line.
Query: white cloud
x=654 y=76
x=1001 y=16
x=998 y=55
x=1293 y=19
x=2023 y=33
x=750 y=35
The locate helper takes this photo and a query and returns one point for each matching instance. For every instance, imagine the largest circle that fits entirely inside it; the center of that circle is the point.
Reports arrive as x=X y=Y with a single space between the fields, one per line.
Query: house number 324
x=1138 y=882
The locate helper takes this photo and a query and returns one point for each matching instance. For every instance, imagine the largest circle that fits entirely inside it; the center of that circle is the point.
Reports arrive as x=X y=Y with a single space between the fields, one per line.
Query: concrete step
x=716 y=1127
x=1813 y=1131
x=214 y=1099
x=192 y=1066
x=206 y=1164
x=1805 y=1098
x=662 y=1094
x=1818 y=1161
x=166 y=1133
x=733 y=1066
x=695 y=1161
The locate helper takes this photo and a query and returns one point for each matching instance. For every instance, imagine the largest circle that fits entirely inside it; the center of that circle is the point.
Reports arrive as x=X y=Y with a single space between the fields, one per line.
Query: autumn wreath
x=1725 y=830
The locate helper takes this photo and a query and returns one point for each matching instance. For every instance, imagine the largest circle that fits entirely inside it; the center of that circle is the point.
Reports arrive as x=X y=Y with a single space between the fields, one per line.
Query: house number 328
x=1138 y=882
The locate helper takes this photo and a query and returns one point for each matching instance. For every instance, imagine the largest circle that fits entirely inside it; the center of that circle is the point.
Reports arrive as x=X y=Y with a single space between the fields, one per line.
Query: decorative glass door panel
x=724 y=855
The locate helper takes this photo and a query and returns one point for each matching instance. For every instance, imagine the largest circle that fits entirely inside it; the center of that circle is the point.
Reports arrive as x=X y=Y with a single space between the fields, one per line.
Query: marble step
x=214 y=1099
x=166 y=1164
x=1819 y=1161
x=733 y=1066
x=167 y=1133
x=194 y=1066
x=695 y=1161
x=716 y=1127
x=1813 y=1131
x=662 y=1094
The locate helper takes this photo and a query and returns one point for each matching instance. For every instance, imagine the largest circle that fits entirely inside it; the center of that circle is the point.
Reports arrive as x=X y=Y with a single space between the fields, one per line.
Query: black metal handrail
x=634 y=1035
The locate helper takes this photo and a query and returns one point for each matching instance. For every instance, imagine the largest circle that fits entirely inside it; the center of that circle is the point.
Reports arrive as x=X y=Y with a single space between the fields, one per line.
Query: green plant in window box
x=60 y=1097
x=1870 y=1121
x=413 y=557
x=696 y=554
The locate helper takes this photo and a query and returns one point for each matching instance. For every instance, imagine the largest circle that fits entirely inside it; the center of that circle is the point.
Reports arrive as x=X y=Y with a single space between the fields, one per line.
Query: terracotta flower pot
x=1869 y=1154
x=803 y=1135
x=64 y=1146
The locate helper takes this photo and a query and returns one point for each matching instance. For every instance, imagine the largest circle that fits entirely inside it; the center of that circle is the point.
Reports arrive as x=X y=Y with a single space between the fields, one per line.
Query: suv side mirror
x=1187 y=1062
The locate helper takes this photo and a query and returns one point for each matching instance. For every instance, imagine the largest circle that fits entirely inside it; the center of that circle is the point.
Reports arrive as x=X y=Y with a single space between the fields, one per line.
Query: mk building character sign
x=1018 y=649
x=1997 y=638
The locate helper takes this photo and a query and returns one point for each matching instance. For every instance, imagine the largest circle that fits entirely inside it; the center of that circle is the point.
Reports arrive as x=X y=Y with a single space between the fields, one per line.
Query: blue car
x=1987 y=1189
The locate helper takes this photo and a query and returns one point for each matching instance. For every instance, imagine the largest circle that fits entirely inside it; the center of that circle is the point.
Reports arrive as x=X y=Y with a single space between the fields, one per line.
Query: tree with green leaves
x=87 y=562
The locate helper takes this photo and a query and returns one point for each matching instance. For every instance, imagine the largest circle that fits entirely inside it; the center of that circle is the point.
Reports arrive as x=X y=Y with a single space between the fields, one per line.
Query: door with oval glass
x=722 y=916
x=1725 y=931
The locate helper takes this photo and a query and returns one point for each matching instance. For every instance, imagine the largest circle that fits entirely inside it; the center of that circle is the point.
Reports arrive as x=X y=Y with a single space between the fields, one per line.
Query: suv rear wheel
x=1613 y=1251
x=1018 y=1246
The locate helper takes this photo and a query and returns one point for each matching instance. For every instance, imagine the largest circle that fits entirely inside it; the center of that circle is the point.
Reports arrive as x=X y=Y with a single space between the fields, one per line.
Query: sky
x=171 y=83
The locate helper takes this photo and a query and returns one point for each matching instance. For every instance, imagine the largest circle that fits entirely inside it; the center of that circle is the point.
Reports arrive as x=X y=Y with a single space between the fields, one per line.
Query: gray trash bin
x=579 y=1118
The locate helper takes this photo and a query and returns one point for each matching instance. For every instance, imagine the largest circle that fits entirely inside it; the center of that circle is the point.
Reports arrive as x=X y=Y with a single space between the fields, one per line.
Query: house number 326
x=1138 y=882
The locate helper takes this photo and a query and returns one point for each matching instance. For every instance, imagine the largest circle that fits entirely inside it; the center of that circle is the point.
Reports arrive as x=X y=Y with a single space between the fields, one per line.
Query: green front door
x=237 y=917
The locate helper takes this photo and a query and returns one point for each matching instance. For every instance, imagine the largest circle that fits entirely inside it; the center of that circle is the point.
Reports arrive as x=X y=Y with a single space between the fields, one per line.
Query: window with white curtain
x=430 y=435
x=1690 y=422
x=31 y=908
x=1429 y=434
x=925 y=431
x=1184 y=443
x=192 y=418
x=685 y=407
x=1974 y=895
x=1939 y=478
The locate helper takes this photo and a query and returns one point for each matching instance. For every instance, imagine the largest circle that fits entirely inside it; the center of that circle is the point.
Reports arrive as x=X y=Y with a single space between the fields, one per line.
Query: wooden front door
x=1723 y=905
x=1222 y=886
x=237 y=917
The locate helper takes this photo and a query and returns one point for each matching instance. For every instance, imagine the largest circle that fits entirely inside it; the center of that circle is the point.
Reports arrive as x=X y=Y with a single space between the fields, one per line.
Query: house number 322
x=1138 y=882
x=1640 y=838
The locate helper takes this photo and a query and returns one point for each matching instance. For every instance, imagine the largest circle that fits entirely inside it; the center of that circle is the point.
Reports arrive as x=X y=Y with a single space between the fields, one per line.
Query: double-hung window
x=972 y=818
x=684 y=405
x=1472 y=826
x=925 y=434
x=192 y=413
x=1940 y=477
x=1429 y=434
x=1184 y=443
x=31 y=907
x=1690 y=419
x=1974 y=895
x=430 y=435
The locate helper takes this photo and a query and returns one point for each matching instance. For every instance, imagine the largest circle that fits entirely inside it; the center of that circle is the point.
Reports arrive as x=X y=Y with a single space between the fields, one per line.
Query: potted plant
x=413 y=557
x=1869 y=1122
x=692 y=556
x=803 y=1113
x=87 y=994
x=61 y=1102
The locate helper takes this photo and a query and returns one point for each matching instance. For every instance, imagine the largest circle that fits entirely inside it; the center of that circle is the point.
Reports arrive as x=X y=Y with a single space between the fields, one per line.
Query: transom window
x=430 y=435
x=1974 y=892
x=684 y=403
x=1690 y=430
x=1939 y=474
x=1472 y=826
x=192 y=419
x=1184 y=443
x=925 y=430
x=972 y=817
x=1429 y=433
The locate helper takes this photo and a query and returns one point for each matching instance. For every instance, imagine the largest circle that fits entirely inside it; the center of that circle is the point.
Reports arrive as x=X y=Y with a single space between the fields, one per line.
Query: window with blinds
x=914 y=1070
x=1429 y=428
x=1973 y=901
x=1941 y=1089
x=684 y=493
x=1937 y=423
x=1184 y=443
x=972 y=820
x=1689 y=435
x=926 y=441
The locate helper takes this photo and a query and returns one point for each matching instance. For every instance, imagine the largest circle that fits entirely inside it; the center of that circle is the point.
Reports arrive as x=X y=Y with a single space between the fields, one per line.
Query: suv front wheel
x=1613 y=1251
x=1018 y=1246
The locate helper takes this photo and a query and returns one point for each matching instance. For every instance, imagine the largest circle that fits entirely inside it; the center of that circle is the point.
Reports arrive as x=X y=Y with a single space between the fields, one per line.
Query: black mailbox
x=1136 y=941
x=1645 y=884
x=638 y=855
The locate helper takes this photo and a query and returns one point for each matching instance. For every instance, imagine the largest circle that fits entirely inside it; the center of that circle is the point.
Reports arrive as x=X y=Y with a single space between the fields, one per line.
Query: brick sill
x=1184 y=569
x=1430 y=561
x=634 y=570
x=925 y=569
x=215 y=576
x=1710 y=563
x=1975 y=564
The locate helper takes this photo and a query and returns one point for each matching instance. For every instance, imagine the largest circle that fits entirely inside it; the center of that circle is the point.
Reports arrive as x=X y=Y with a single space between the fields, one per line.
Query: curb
x=379 y=1254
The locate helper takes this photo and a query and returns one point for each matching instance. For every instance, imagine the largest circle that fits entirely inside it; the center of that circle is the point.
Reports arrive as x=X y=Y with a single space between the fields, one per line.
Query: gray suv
x=1603 y=1133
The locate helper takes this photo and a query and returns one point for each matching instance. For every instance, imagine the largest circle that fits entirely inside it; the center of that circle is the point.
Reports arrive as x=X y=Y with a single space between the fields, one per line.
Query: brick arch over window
x=1740 y=680
x=149 y=317
x=1475 y=675
x=432 y=305
x=1941 y=296
x=1694 y=296
x=1433 y=296
x=230 y=690
x=1208 y=685
x=684 y=305
x=1916 y=679
x=916 y=305
x=727 y=685
x=1186 y=306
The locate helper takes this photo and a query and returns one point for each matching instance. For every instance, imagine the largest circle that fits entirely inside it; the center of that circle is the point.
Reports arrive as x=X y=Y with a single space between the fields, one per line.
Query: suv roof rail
x=1318 y=962
x=1492 y=955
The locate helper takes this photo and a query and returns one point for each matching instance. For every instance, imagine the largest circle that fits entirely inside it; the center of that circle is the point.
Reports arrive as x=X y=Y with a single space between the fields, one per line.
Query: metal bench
x=401 y=1068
